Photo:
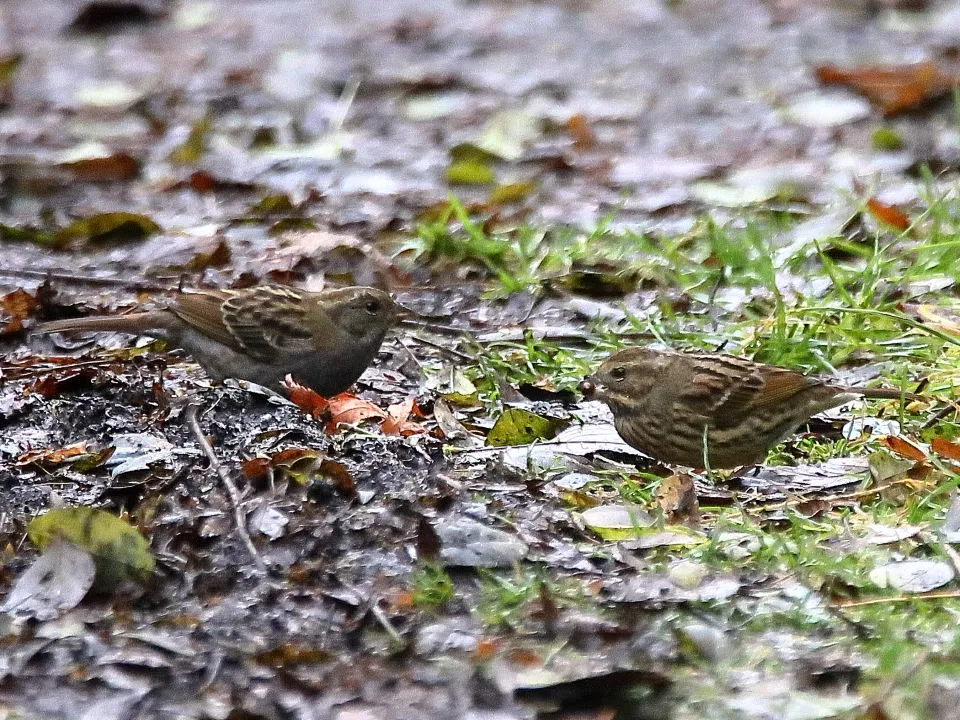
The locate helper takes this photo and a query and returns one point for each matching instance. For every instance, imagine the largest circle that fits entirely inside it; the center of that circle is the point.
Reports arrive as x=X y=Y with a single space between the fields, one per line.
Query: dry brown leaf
x=904 y=449
x=15 y=307
x=894 y=89
x=945 y=448
x=888 y=214
x=677 y=497
x=397 y=421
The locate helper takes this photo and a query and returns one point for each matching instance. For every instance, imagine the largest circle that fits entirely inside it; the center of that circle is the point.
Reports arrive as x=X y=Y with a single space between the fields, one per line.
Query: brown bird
x=708 y=409
x=324 y=339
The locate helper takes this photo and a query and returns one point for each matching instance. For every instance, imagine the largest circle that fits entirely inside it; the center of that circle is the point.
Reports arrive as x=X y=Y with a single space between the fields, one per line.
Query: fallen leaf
x=108 y=227
x=346 y=409
x=894 y=89
x=903 y=448
x=913 y=576
x=217 y=257
x=510 y=193
x=517 y=426
x=889 y=214
x=118 y=549
x=677 y=497
x=311 y=402
x=56 y=581
x=469 y=173
x=191 y=150
x=15 y=307
x=579 y=129
x=106 y=169
x=945 y=448
x=397 y=421
x=74 y=454
x=428 y=542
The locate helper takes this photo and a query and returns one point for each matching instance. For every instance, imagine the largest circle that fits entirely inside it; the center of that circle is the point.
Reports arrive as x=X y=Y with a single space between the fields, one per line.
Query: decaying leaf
x=346 y=409
x=109 y=227
x=118 y=549
x=15 y=307
x=894 y=89
x=191 y=150
x=888 y=214
x=677 y=497
x=56 y=581
x=107 y=168
x=913 y=576
x=517 y=426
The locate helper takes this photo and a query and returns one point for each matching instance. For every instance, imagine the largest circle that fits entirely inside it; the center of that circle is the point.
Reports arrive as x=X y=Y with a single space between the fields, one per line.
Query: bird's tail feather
x=135 y=324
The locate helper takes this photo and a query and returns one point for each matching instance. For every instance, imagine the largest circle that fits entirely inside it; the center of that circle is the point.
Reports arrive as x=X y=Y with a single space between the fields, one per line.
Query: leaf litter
x=338 y=495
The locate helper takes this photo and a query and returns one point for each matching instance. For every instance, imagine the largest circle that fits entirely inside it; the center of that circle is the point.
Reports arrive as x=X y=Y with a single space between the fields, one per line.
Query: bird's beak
x=591 y=389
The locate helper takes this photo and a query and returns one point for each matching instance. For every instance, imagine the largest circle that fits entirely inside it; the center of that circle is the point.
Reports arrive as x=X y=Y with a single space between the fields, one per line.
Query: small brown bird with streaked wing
x=324 y=339
x=708 y=409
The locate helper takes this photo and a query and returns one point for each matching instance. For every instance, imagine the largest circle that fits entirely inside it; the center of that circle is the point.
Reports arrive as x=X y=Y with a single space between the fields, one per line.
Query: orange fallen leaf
x=397 y=422
x=945 y=448
x=14 y=308
x=525 y=657
x=53 y=456
x=889 y=214
x=107 y=169
x=346 y=409
x=255 y=468
x=894 y=89
x=311 y=402
x=486 y=649
x=579 y=129
x=903 y=448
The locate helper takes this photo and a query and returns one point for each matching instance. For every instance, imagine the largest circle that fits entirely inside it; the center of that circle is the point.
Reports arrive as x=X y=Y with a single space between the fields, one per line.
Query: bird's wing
x=268 y=320
x=258 y=321
x=727 y=389
x=203 y=311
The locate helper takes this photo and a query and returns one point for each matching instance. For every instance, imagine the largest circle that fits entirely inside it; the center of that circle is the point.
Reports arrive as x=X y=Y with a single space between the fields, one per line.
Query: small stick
x=232 y=493
x=82 y=279
x=442 y=348
x=938 y=416
x=932 y=595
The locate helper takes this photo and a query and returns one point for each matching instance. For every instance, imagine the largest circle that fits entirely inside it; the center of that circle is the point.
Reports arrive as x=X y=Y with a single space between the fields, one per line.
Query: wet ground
x=304 y=142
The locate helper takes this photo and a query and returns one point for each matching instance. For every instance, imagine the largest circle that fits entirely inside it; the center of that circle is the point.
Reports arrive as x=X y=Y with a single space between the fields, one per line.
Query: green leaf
x=30 y=234
x=9 y=64
x=469 y=173
x=108 y=227
x=471 y=153
x=886 y=138
x=191 y=150
x=510 y=193
x=118 y=549
x=520 y=427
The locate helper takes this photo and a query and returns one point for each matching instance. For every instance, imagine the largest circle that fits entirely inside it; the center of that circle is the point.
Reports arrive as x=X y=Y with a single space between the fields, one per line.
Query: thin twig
x=932 y=595
x=16 y=372
x=83 y=279
x=939 y=415
x=385 y=623
x=442 y=348
x=232 y=493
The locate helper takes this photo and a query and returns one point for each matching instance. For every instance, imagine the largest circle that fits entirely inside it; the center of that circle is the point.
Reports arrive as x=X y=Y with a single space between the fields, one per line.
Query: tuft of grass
x=432 y=587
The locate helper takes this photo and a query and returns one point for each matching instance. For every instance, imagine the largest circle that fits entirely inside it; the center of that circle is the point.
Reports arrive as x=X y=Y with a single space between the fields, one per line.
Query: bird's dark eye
x=618 y=373
x=372 y=307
